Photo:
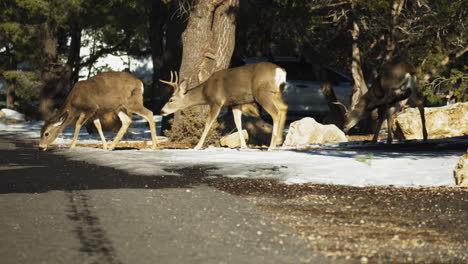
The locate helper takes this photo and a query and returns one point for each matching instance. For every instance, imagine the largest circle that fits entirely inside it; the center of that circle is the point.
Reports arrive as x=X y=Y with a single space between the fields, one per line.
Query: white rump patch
x=280 y=76
x=142 y=88
x=412 y=82
x=409 y=82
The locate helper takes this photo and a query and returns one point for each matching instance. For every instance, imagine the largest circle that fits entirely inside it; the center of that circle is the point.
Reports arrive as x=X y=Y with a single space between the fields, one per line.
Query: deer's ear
x=183 y=87
x=61 y=119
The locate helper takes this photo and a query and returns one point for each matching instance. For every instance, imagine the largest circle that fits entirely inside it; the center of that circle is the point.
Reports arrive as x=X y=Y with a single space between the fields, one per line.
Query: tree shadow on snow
x=436 y=148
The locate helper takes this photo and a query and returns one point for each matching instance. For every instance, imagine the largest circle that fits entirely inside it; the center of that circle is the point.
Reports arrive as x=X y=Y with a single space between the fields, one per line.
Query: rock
x=309 y=131
x=461 y=171
x=13 y=115
x=233 y=140
x=441 y=122
x=2 y=115
x=258 y=129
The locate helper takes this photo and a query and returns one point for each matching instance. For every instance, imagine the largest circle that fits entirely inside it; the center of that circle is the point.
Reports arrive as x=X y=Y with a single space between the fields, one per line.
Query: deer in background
x=395 y=82
x=118 y=92
x=262 y=83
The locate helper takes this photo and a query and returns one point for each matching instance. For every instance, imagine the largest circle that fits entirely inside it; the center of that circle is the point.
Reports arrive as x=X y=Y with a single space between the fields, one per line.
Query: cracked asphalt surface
x=54 y=210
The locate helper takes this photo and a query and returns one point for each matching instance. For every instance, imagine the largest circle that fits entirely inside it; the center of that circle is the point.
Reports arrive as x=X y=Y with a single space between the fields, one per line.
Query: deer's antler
x=344 y=106
x=174 y=84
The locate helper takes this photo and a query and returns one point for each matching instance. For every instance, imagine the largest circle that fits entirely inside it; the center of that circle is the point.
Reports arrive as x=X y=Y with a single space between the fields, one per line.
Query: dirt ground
x=377 y=224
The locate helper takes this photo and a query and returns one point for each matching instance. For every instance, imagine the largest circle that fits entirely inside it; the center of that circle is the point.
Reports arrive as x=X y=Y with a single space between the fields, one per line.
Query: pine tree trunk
x=54 y=76
x=208 y=40
x=10 y=94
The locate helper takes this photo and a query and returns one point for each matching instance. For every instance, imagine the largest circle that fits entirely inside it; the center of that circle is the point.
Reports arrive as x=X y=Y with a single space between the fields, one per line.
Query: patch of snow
x=335 y=164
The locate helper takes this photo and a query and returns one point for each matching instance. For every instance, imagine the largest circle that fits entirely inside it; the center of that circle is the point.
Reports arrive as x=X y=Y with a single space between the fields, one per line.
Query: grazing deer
x=118 y=92
x=394 y=83
x=262 y=83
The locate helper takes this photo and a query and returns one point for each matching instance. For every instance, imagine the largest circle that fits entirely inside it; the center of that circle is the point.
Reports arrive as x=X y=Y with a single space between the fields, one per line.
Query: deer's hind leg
x=269 y=104
x=282 y=111
x=126 y=121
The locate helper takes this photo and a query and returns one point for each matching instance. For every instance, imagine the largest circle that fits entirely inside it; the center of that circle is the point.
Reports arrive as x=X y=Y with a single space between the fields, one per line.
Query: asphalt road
x=55 y=210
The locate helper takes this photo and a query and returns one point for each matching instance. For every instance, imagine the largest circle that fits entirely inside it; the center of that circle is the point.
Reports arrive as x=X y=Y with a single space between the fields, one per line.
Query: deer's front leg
x=214 y=112
x=416 y=98
x=98 y=126
x=382 y=110
x=148 y=115
x=423 y=120
x=390 y=112
x=78 y=125
x=237 y=113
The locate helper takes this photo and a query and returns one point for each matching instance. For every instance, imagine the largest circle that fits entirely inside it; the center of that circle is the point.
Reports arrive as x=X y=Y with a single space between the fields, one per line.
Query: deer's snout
x=43 y=147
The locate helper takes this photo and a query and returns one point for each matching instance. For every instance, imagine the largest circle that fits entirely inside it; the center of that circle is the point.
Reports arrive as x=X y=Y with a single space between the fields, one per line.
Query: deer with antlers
x=262 y=83
x=395 y=82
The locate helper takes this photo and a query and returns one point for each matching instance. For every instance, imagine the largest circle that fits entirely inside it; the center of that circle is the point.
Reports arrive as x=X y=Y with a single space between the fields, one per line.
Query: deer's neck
x=195 y=96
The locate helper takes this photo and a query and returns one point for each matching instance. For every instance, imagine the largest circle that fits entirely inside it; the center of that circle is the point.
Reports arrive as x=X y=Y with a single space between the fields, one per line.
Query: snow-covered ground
x=333 y=164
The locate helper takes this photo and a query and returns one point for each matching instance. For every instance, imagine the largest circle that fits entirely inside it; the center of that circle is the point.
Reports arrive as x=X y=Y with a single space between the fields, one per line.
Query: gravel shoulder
x=378 y=224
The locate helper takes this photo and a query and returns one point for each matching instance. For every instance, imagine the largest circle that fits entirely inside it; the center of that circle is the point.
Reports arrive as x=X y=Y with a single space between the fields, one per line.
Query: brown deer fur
x=118 y=92
x=262 y=83
x=395 y=82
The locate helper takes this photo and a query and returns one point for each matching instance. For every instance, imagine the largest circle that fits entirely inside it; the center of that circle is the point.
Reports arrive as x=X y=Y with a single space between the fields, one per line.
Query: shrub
x=189 y=128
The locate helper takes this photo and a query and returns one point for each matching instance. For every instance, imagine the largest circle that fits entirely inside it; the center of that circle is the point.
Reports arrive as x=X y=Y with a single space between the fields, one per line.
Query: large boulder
x=309 y=131
x=12 y=116
x=233 y=140
x=441 y=122
x=461 y=171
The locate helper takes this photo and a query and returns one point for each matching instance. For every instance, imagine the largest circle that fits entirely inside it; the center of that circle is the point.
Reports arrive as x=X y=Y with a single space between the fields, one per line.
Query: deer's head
x=355 y=114
x=176 y=101
x=52 y=128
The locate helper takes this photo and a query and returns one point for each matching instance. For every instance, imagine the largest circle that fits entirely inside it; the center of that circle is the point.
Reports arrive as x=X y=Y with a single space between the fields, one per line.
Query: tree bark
x=208 y=41
x=49 y=44
x=360 y=86
x=157 y=19
x=10 y=94
x=336 y=114
x=11 y=83
x=73 y=61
